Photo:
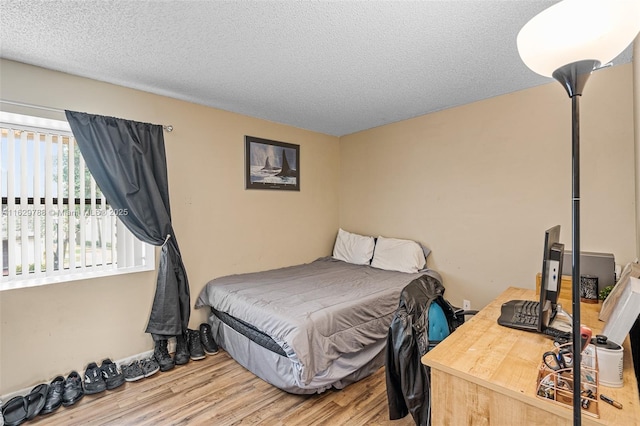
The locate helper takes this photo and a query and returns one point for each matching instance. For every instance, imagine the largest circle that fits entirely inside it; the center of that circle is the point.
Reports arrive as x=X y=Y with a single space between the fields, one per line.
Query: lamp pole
x=573 y=77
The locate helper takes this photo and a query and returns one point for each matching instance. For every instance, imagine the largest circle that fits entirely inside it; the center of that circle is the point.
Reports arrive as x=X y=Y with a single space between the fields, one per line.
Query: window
x=56 y=224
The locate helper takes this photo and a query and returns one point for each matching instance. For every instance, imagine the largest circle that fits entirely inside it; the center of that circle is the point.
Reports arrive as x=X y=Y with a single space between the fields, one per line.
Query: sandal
x=36 y=400
x=15 y=411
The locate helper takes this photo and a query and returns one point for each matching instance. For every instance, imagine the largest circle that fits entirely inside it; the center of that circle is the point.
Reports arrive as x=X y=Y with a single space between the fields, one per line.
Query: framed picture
x=271 y=164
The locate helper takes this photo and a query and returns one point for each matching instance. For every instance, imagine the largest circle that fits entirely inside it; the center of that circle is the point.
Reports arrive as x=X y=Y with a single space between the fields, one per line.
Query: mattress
x=329 y=317
x=280 y=371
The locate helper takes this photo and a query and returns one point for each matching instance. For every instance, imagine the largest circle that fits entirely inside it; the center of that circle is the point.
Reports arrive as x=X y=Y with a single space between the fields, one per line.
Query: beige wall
x=480 y=183
x=221 y=228
x=636 y=116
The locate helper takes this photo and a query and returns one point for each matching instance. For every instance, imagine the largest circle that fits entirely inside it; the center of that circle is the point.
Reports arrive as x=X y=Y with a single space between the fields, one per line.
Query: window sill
x=63 y=278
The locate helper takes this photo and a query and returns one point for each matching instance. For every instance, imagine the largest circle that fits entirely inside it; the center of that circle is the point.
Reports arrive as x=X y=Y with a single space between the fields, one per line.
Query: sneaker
x=132 y=371
x=182 y=350
x=150 y=366
x=196 y=351
x=111 y=375
x=161 y=354
x=208 y=343
x=93 y=381
x=73 y=391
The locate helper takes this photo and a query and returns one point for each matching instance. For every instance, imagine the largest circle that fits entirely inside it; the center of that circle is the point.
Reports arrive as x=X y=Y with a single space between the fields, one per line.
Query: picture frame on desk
x=625 y=310
x=631 y=270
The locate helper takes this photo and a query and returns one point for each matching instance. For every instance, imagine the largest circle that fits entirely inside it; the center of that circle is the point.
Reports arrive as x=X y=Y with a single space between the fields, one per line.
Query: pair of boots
x=194 y=344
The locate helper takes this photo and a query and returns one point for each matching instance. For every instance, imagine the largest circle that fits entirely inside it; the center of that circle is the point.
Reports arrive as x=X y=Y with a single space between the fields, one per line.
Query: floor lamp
x=568 y=41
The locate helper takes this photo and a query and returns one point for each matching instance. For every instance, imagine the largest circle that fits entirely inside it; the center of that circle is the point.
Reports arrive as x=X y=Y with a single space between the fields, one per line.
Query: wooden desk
x=485 y=374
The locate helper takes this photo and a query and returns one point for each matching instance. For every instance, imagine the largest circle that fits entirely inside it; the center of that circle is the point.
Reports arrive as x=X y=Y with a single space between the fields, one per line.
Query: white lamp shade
x=576 y=30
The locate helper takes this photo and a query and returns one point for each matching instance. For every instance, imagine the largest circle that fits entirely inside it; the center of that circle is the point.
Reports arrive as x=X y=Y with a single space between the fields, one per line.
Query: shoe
x=14 y=412
x=181 y=356
x=93 y=381
x=133 y=371
x=54 y=396
x=73 y=391
x=111 y=375
x=36 y=400
x=161 y=354
x=208 y=343
x=196 y=351
x=150 y=367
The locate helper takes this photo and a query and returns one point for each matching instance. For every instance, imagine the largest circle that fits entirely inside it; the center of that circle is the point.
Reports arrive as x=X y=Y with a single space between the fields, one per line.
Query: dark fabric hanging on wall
x=127 y=160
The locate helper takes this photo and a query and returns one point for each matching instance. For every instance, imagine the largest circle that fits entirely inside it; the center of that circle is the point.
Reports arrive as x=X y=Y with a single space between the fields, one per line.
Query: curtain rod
x=168 y=128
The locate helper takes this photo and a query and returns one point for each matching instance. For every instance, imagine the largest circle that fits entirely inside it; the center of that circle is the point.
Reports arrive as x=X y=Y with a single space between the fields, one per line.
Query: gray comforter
x=317 y=312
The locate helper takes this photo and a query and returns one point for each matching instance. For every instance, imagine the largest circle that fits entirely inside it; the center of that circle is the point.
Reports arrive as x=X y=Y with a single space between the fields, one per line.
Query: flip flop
x=36 y=400
x=15 y=411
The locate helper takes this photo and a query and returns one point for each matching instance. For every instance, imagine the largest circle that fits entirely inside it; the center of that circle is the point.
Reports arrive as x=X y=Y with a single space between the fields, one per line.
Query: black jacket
x=408 y=389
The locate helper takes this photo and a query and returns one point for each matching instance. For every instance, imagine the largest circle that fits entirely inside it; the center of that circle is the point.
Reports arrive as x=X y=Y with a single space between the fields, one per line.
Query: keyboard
x=525 y=313
x=520 y=314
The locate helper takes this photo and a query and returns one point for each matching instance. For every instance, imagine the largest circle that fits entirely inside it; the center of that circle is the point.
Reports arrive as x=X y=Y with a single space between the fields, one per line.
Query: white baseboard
x=171 y=347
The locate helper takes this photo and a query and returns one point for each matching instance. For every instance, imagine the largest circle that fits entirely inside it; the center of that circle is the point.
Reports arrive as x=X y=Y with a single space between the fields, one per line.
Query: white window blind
x=56 y=223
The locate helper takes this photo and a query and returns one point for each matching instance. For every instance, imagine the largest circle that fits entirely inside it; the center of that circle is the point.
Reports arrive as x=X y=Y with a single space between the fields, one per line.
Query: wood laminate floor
x=218 y=391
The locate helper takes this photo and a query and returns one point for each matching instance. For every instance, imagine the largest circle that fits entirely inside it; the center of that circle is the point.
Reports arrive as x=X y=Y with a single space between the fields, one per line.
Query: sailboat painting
x=271 y=164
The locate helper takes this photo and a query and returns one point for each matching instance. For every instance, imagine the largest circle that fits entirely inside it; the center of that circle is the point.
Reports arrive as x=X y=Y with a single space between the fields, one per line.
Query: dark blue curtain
x=127 y=160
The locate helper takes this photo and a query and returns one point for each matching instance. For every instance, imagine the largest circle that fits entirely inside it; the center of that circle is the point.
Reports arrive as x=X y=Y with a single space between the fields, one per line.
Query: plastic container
x=609 y=361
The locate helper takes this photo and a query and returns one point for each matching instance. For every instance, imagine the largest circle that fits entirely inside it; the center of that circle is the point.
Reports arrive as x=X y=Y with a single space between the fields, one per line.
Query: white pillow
x=353 y=248
x=398 y=255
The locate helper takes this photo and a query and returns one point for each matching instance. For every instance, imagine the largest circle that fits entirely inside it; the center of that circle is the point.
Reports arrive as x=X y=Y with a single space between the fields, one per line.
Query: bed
x=307 y=328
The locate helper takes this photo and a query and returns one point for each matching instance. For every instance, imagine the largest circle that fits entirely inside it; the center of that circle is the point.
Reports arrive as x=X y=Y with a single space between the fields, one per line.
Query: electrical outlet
x=466 y=305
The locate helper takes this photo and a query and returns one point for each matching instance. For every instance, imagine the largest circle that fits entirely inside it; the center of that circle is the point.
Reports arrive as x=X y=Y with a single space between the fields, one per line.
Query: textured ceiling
x=335 y=67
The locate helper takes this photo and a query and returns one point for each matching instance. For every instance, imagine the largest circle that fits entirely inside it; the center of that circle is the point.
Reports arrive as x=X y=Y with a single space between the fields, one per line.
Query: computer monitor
x=551 y=278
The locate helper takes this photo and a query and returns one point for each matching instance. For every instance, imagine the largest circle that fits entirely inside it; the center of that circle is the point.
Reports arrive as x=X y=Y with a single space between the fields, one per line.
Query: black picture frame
x=271 y=164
